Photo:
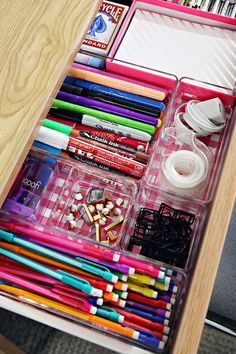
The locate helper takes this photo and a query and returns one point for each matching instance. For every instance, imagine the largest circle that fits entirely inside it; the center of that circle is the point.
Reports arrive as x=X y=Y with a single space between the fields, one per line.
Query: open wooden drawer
x=33 y=67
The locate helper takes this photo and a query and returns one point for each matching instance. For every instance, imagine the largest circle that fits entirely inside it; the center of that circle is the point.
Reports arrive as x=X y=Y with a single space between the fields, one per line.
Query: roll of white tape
x=185 y=171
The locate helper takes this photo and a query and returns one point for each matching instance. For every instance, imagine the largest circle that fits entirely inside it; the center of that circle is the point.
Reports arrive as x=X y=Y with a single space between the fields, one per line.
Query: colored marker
x=100 y=136
x=121 y=102
x=74 y=133
x=90 y=112
x=154 y=93
x=77 y=262
x=123 y=137
x=116 y=140
x=111 y=127
x=114 y=93
x=62 y=141
x=80 y=304
x=64 y=241
x=109 y=108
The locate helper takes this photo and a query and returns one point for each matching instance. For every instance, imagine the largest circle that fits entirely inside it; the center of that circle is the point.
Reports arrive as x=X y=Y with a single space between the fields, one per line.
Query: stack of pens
x=221 y=7
x=104 y=121
x=118 y=293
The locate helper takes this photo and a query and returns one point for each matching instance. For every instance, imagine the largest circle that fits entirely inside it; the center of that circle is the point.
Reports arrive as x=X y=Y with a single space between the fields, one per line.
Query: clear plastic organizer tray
x=158 y=107
x=176 y=135
x=171 y=297
x=164 y=228
x=67 y=196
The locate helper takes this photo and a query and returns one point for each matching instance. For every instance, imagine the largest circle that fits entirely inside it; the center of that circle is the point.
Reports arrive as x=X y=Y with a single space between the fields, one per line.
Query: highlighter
x=24 y=198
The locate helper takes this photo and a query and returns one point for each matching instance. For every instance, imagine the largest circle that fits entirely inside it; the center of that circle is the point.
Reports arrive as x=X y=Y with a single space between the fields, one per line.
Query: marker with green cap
x=105 y=116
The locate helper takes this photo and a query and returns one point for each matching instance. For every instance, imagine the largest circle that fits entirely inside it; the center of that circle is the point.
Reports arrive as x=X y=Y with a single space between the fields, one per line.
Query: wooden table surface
x=38 y=41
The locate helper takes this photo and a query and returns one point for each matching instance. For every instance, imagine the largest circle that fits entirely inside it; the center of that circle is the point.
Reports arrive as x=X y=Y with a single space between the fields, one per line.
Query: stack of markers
x=84 y=282
x=104 y=121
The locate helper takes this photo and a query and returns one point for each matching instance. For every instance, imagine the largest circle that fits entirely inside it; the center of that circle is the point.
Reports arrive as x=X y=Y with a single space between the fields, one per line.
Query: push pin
x=119 y=201
x=78 y=196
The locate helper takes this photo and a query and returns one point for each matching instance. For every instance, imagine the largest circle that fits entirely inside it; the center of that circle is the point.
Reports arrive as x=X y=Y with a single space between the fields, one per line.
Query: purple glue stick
x=28 y=188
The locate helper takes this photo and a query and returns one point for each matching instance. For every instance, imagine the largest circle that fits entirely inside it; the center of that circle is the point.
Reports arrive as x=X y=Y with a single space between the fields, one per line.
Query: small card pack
x=104 y=27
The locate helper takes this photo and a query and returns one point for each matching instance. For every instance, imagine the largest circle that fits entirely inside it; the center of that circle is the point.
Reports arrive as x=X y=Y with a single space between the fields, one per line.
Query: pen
x=114 y=93
x=110 y=296
x=142 y=278
x=148 y=309
x=149 y=316
x=118 y=328
x=62 y=141
x=77 y=262
x=110 y=314
x=107 y=107
x=116 y=266
x=81 y=304
x=93 y=122
x=77 y=295
x=148 y=338
x=149 y=302
x=58 y=274
x=158 y=335
x=90 y=112
x=54 y=284
x=154 y=93
x=120 y=293
x=144 y=290
x=64 y=241
x=142 y=267
x=166 y=287
x=94 y=282
x=121 y=102
x=136 y=319
x=121 y=276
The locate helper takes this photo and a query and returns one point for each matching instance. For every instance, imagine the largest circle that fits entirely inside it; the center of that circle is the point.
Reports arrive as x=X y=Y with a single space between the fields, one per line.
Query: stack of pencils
x=85 y=282
x=104 y=121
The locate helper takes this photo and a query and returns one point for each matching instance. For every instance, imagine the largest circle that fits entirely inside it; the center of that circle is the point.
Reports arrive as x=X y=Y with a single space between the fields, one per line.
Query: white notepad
x=180 y=47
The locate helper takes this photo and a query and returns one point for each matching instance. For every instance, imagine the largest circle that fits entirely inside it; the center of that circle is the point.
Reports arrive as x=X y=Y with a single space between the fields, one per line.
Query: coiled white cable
x=197 y=120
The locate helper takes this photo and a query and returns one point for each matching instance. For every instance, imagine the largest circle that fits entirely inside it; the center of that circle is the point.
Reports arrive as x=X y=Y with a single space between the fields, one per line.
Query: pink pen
x=55 y=285
x=64 y=241
x=81 y=304
x=142 y=267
